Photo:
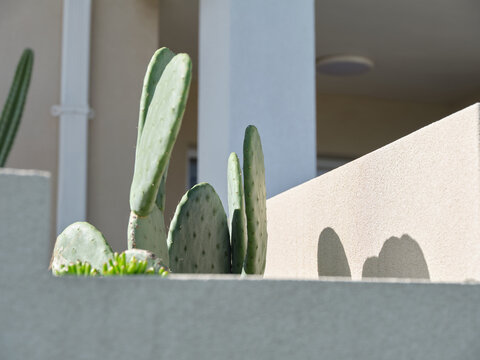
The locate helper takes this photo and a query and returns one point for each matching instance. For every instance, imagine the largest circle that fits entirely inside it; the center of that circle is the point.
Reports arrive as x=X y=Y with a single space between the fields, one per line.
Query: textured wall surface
x=42 y=317
x=410 y=209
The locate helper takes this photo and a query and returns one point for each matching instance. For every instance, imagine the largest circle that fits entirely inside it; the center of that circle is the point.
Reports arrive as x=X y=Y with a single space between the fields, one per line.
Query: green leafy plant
x=13 y=108
x=200 y=238
x=119 y=265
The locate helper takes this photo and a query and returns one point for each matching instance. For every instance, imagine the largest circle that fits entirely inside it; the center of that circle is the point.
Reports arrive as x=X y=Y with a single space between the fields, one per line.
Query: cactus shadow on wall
x=398 y=258
x=331 y=257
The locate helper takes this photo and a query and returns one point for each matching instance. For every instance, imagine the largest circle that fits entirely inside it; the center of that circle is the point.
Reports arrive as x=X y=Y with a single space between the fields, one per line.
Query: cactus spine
x=13 y=108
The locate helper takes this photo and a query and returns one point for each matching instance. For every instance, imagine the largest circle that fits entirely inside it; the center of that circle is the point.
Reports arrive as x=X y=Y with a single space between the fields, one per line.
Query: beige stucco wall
x=410 y=209
x=35 y=24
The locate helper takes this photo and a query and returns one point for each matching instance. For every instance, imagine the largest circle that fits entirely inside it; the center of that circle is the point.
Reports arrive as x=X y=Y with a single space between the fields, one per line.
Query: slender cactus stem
x=13 y=108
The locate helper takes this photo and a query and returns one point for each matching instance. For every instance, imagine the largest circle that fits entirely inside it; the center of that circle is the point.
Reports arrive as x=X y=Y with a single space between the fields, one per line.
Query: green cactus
x=198 y=239
x=255 y=202
x=133 y=263
x=122 y=264
x=13 y=108
x=165 y=88
x=149 y=233
x=155 y=69
x=161 y=195
x=236 y=209
x=159 y=133
x=78 y=268
x=80 y=241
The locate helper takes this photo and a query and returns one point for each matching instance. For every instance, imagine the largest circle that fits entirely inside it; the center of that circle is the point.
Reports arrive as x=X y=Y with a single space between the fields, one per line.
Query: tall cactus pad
x=198 y=239
x=236 y=211
x=159 y=133
x=81 y=242
x=255 y=202
x=154 y=71
x=13 y=108
x=149 y=233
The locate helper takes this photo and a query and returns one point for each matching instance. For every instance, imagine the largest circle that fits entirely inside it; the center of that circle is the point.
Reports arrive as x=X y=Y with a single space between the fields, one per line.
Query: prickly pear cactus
x=159 y=133
x=198 y=239
x=236 y=211
x=130 y=262
x=160 y=201
x=155 y=69
x=149 y=233
x=13 y=108
x=255 y=202
x=80 y=242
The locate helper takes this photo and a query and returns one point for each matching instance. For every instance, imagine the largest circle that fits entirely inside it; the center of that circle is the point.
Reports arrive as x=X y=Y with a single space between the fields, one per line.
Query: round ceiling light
x=344 y=65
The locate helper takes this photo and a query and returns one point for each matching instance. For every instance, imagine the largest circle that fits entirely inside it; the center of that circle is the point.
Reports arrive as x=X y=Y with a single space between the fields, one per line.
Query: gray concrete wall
x=407 y=210
x=38 y=25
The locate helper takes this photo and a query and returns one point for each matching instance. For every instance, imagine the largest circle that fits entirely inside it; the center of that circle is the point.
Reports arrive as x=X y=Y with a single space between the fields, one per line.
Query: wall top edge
x=216 y=278
x=471 y=112
x=24 y=172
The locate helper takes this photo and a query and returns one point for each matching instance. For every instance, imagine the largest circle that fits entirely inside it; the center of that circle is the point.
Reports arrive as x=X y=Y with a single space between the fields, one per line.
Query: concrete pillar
x=74 y=113
x=257 y=66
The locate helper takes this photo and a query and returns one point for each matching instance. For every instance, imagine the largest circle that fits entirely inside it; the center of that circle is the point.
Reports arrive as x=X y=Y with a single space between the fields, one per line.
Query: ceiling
x=423 y=50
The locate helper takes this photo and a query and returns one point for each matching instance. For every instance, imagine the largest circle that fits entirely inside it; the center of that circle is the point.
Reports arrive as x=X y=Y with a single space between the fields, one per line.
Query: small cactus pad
x=236 y=211
x=255 y=202
x=198 y=239
x=80 y=242
x=149 y=233
x=154 y=71
x=159 y=133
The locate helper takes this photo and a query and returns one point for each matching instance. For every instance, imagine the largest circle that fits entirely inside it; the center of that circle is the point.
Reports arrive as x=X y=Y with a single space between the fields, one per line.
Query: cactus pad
x=255 y=202
x=81 y=242
x=236 y=211
x=155 y=69
x=198 y=239
x=149 y=233
x=159 y=133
